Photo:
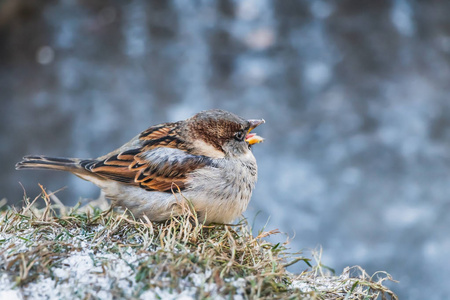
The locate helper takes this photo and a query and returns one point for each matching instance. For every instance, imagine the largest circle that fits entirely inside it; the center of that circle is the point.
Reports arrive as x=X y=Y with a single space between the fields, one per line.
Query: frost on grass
x=61 y=253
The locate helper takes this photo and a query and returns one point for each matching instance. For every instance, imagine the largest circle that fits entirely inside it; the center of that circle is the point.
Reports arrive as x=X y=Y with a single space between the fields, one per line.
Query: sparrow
x=207 y=158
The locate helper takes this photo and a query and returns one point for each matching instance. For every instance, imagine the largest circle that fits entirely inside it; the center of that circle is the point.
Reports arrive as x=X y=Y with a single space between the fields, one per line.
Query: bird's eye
x=240 y=135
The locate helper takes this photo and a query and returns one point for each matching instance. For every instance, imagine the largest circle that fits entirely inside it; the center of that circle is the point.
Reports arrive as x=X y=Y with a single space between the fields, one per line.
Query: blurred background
x=355 y=95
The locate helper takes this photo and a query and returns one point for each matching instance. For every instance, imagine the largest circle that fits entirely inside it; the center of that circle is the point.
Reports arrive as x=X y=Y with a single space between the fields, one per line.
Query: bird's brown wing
x=163 y=135
x=153 y=168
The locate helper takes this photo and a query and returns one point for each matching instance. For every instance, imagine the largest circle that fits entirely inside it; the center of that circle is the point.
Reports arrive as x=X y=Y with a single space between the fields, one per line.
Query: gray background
x=355 y=95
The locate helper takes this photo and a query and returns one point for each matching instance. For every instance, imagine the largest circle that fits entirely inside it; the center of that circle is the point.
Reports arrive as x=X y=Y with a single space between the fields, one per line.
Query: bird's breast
x=223 y=191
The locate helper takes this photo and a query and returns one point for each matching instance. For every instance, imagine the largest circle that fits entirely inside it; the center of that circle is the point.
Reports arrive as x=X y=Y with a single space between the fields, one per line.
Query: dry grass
x=128 y=258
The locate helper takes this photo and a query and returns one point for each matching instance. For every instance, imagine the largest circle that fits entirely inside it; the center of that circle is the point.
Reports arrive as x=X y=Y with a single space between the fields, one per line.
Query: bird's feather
x=160 y=169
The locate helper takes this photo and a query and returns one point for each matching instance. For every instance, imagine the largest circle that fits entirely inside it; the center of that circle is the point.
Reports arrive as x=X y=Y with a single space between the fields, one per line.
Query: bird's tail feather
x=53 y=163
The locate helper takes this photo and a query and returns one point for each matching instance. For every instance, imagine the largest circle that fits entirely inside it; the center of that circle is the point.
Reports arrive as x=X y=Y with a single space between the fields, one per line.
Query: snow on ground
x=101 y=273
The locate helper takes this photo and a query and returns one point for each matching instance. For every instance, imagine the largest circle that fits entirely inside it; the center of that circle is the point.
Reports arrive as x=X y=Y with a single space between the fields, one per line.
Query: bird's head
x=223 y=134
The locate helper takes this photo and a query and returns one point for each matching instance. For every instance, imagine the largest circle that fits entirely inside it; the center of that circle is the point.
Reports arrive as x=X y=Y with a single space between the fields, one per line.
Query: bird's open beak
x=253 y=138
